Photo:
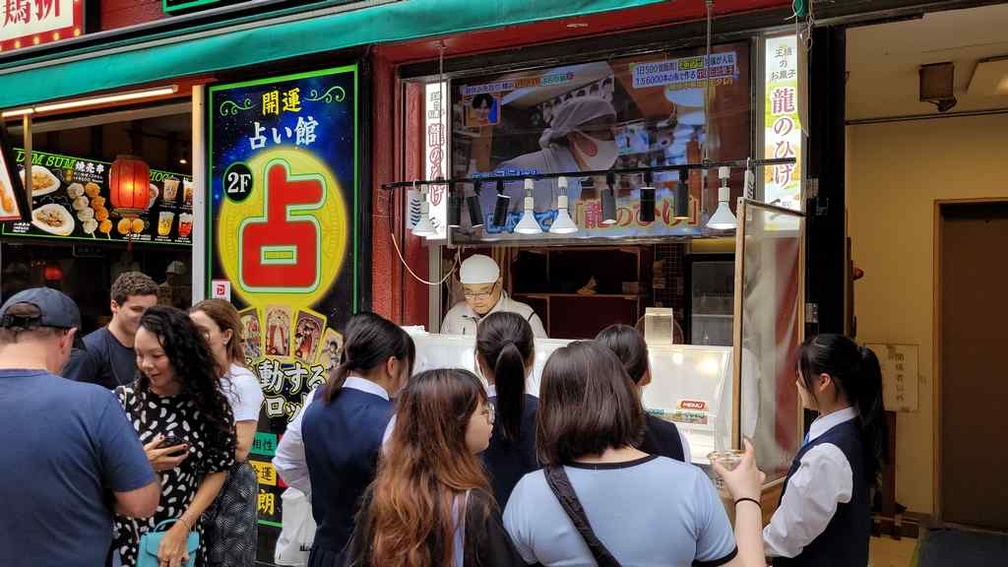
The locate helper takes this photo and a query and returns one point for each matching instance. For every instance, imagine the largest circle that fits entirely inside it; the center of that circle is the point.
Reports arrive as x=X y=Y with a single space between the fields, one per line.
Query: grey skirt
x=230 y=525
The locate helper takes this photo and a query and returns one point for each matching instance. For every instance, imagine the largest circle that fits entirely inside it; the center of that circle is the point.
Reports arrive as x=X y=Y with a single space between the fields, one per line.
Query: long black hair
x=370 y=341
x=856 y=372
x=195 y=368
x=630 y=348
x=505 y=343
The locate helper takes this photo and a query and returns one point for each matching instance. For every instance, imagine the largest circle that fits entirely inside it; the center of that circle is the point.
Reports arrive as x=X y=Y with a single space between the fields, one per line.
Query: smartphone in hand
x=173 y=441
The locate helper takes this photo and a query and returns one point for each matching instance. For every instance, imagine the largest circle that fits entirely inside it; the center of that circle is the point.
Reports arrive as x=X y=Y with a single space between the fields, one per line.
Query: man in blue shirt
x=107 y=355
x=71 y=457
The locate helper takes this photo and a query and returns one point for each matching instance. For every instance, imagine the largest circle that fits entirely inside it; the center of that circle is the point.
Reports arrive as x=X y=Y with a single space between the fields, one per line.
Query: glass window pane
x=771 y=333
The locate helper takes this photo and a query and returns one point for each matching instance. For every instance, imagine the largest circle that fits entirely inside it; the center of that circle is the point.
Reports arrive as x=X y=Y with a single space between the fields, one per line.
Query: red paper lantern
x=52 y=273
x=129 y=184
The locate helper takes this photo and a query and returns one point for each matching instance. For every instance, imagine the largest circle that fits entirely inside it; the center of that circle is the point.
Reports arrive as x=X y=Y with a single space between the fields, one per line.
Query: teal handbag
x=151 y=541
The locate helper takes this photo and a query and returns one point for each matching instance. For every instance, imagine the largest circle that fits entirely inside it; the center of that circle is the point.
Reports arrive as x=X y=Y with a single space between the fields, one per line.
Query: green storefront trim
x=183 y=56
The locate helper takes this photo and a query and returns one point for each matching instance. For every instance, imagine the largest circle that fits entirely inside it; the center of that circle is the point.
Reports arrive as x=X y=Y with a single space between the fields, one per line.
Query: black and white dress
x=178 y=416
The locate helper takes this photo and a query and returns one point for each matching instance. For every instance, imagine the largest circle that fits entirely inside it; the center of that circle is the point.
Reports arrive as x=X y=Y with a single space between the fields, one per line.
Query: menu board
x=12 y=196
x=70 y=200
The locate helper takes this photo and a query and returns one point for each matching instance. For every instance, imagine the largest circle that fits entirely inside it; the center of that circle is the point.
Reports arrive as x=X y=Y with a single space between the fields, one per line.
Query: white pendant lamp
x=563 y=224
x=528 y=224
x=723 y=218
x=424 y=226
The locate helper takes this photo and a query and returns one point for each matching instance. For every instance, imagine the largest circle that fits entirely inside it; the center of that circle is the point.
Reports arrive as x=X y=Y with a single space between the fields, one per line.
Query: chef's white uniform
x=462 y=320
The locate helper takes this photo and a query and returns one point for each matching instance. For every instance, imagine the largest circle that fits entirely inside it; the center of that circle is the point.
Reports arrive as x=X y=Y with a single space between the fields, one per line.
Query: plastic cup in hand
x=728 y=459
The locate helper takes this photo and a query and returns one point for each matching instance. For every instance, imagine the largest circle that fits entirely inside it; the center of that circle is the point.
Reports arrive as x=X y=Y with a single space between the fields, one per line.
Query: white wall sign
x=24 y=23
x=899 y=375
x=436 y=155
x=220 y=289
x=782 y=132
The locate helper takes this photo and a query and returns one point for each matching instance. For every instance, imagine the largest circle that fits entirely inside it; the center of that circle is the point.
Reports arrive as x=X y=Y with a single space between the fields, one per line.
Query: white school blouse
x=823 y=480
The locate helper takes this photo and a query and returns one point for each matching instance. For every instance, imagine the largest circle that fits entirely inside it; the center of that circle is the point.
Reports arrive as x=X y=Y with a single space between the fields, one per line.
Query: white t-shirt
x=243 y=393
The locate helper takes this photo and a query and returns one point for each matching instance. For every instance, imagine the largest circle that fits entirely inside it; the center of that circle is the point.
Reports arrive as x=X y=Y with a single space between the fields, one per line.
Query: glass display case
x=690 y=385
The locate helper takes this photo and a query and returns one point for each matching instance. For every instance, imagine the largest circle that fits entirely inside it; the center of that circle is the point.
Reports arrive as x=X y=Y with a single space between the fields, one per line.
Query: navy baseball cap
x=55 y=309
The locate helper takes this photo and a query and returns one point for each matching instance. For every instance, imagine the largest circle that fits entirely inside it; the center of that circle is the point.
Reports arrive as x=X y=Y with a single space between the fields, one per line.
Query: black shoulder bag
x=564 y=492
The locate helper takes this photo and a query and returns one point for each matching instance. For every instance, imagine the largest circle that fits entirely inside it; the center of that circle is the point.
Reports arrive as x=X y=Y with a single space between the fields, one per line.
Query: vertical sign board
x=782 y=133
x=436 y=154
x=283 y=231
x=899 y=375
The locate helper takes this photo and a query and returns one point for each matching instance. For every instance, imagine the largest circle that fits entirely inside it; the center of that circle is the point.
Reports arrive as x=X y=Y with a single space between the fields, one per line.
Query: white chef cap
x=479 y=269
x=570 y=115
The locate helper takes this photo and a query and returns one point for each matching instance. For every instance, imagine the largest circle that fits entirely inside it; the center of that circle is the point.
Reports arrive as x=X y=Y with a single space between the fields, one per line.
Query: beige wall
x=896 y=172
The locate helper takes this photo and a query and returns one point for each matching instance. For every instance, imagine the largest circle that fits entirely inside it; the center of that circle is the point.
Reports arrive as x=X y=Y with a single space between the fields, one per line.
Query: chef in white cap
x=484 y=294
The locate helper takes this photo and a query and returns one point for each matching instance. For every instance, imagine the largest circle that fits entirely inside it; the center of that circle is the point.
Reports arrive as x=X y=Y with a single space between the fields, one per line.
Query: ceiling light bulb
x=723 y=218
x=528 y=224
x=563 y=224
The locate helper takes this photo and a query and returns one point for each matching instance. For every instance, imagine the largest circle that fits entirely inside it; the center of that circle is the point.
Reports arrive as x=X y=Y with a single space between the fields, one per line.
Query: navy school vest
x=844 y=542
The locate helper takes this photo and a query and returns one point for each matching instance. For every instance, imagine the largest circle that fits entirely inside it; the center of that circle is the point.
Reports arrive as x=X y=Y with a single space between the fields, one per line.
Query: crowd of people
x=146 y=464
x=127 y=447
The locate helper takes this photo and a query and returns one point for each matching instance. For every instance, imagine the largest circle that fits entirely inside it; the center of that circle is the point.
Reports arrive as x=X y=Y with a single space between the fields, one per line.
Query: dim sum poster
x=283 y=230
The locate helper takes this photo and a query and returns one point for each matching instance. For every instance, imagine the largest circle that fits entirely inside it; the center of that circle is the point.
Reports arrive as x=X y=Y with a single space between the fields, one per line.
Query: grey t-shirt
x=105 y=361
x=653 y=511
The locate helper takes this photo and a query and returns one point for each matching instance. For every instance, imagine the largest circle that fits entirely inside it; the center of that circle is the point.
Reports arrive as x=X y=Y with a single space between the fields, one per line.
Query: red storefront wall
x=123 y=13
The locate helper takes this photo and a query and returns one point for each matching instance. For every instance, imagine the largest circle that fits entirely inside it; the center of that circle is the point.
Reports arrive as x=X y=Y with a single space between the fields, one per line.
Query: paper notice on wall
x=899 y=375
x=221 y=289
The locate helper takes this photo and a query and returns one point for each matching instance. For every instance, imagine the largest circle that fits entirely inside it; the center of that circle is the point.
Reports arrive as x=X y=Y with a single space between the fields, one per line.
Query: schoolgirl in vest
x=824 y=518
x=661 y=437
x=342 y=428
x=505 y=353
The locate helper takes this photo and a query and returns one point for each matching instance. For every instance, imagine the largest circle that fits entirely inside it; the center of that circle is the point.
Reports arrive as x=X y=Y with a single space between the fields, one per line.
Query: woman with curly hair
x=185 y=422
x=431 y=503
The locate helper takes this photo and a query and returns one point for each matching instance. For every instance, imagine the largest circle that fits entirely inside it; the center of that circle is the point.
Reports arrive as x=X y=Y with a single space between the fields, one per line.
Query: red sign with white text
x=25 y=23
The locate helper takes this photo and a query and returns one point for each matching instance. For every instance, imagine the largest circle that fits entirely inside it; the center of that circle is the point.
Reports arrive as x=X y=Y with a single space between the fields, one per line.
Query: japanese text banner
x=283 y=223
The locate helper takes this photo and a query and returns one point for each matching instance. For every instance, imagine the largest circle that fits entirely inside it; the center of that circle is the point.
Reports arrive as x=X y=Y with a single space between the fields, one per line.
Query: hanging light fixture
x=682 y=196
x=501 y=206
x=563 y=224
x=647 y=198
x=129 y=186
x=609 y=200
x=129 y=192
x=528 y=224
x=750 y=180
x=52 y=272
x=424 y=226
x=723 y=218
x=454 y=206
x=474 y=206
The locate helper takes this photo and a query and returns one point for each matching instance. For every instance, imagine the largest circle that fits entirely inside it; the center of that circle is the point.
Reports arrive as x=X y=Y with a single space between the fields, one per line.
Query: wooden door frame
x=936 y=358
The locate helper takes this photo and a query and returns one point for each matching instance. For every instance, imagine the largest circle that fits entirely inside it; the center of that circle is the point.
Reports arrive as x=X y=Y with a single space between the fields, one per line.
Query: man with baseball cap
x=71 y=457
x=484 y=294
